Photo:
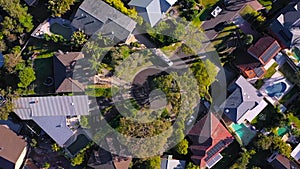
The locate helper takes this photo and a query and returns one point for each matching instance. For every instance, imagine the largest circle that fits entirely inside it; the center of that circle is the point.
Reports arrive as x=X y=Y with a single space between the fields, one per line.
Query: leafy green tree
x=60 y=7
x=248 y=39
x=190 y=165
x=26 y=76
x=243 y=161
x=47 y=165
x=154 y=162
x=78 y=159
x=264 y=142
x=182 y=147
x=78 y=38
x=282 y=147
x=55 y=147
x=8 y=106
x=84 y=121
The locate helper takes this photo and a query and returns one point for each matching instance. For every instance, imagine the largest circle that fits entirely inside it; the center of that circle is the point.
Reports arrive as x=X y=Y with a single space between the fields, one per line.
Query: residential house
x=97 y=16
x=286 y=27
x=102 y=159
x=244 y=103
x=58 y=116
x=209 y=137
x=172 y=164
x=296 y=153
x=64 y=65
x=31 y=2
x=259 y=55
x=279 y=161
x=152 y=10
x=13 y=149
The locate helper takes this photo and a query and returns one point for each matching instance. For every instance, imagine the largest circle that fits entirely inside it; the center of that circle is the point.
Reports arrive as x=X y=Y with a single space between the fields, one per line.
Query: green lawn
x=289 y=73
x=259 y=83
x=43 y=68
x=290 y=94
x=246 y=11
x=266 y=3
x=294 y=119
x=208 y=3
x=271 y=71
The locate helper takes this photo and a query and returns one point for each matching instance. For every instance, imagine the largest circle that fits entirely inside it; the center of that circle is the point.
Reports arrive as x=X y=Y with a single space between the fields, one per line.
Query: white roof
x=296 y=153
x=172 y=164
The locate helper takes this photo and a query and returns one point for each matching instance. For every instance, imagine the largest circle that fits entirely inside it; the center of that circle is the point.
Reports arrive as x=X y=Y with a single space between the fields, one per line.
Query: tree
x=264 y=142
x=154 y=162
x=26 y=76
x=55 y=147
x=78 y=38
x=248 y=39
x=46 y=165
x=78 y=159
x=182 y=147
x=84 y=122
x=190 y=165
x=8 y=105
x=282 y=147
x=60 y=7
x=243 y=161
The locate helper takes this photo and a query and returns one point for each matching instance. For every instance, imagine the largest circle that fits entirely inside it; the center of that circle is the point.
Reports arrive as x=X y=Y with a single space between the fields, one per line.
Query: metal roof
x=52 y=105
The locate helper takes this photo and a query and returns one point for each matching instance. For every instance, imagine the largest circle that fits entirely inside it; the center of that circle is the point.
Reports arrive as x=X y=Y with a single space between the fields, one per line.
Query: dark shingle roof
x=63 y=72
x=281 y=162
x=92 y=15
x=245 y=97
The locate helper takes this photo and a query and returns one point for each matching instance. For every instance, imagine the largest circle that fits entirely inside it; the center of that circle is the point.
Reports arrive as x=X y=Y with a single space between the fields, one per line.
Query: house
x=152 y=10
x=31 y=2
x=265 y=49
x=102 y=159
x=244 y=103
x=209 y=137
x=58 y=116
x=64 y=65
x=172 y=164
x=296 y=153
x=286 y=27
x=279 y=161
x=13 y=149
x=97 y=16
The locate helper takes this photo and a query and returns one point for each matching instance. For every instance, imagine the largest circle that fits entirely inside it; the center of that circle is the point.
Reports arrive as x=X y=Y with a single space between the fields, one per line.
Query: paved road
x=226 y=15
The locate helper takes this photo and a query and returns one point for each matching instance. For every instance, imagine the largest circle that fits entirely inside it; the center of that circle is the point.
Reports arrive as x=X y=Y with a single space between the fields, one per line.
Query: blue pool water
x=276 y=89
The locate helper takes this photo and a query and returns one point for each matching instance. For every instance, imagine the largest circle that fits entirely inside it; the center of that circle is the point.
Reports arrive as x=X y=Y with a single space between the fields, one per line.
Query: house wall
x=21 y=158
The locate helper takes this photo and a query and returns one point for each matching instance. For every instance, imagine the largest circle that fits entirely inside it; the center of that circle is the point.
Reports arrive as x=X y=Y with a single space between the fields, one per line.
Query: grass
x=208 y=3
x=266 y=3
x=230 y=155
x=171 y=49
x=268 y=118
x=294 y=119
x=289 y=73
x=66 y=32
x=247 y=10
x=223 y=35
x=259 y=83
x=271 y=71
x=290 y=94
x=95 y=91
x=43 y=68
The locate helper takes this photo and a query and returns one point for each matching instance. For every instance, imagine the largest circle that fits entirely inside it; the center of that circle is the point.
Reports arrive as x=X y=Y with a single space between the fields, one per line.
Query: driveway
x=228 y=13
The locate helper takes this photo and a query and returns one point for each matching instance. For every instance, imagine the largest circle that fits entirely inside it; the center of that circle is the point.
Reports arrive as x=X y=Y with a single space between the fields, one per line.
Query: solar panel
x=269 y=53
x=219 y=146
x=259 y=72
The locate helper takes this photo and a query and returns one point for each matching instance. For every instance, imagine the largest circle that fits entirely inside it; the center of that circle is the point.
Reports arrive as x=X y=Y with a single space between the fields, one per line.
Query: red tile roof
x=205 y=135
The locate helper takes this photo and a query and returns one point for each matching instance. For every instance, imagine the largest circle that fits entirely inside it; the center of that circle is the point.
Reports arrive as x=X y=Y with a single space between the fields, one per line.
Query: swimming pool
x=276 y=89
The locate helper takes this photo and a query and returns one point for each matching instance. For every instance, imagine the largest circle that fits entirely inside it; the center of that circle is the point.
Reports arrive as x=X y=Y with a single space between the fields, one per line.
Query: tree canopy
x=60 y=7
x=26 y=76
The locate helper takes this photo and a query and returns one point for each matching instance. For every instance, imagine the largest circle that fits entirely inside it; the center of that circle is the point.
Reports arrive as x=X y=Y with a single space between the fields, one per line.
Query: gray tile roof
x=93 y=14
x=50 y=113
x=150 y=10
x=245 y=97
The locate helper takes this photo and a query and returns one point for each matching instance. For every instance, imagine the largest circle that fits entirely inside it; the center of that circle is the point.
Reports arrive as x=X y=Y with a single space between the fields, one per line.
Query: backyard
x=289 y=73
x=271 y=71
x=61 y=29
x=81 y=142
x=268 y=118
x=230 y=155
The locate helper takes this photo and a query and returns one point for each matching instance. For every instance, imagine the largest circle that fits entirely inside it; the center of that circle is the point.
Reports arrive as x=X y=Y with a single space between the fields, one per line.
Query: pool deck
x=276 y=78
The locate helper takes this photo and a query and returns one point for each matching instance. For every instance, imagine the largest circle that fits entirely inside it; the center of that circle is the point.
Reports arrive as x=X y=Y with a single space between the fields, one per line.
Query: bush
x=182 y=147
